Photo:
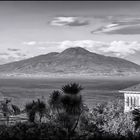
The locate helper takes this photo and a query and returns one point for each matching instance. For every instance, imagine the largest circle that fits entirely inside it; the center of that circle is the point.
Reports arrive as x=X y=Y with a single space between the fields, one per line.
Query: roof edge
x=128 y=91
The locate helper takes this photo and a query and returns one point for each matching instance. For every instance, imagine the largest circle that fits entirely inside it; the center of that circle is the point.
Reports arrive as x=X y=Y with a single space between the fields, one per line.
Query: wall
x=131 y=101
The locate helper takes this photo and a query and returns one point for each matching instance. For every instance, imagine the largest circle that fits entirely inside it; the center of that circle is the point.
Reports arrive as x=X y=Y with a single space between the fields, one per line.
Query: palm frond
x=54 y=100
x=72 y=105
x=30 y=106
x=16 y=109
x=72 y=88
x=41 y=105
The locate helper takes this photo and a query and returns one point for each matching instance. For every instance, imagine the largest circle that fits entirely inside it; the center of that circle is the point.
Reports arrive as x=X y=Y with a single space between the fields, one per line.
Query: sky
x=32 y=28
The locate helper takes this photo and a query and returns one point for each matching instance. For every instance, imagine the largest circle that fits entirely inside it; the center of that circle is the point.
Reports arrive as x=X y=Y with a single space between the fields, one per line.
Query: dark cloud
x=12 y=49
x=120 y=25
x=3 y=54
x=131 y=29
x=20 y=54
x=126 y=30
x=78 y=23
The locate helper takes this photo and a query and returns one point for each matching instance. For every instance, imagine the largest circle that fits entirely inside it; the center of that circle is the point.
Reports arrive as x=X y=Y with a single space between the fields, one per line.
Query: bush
x=107 y=120
x=26 y=131
x=103 y=121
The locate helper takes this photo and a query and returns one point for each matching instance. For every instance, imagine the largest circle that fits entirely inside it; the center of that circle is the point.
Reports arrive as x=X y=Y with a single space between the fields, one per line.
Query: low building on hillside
x=131 y=98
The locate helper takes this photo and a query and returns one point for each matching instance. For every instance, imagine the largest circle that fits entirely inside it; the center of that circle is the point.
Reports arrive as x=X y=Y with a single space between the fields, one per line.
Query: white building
x=131 y=97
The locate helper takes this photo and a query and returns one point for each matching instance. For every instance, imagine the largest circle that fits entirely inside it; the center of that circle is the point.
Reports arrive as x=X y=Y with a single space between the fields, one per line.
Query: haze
x=29 y=29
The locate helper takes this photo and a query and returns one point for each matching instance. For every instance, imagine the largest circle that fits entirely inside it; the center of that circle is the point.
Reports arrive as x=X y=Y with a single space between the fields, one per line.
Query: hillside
x=72 y=60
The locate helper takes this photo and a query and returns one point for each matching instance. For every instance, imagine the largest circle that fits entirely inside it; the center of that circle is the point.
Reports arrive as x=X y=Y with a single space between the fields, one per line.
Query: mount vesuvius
x=76 y=61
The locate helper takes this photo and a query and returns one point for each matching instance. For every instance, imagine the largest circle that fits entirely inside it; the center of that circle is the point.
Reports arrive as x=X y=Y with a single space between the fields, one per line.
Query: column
x=131 y=101
x=134 y=101
x=137 y=101
x=127 y=101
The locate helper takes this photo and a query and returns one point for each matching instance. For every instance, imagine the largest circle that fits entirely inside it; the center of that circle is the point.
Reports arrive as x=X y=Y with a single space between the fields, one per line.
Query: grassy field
x=95 y=89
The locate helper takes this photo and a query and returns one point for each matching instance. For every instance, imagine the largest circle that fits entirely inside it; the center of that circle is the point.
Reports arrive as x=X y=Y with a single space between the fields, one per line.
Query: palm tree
x=55 y=101
x=73 y=103
x=68 y=105
x=35 y=107
x=16 y=109
x=72 y=88
x=31 y=111
x=41 y=109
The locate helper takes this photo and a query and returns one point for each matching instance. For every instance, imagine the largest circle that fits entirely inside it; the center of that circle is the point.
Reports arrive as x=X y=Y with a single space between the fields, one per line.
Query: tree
x=6 y=110
x=16 y=109
x=35 y=107
x=41 y=109
x=68 y=106
x=55 y=101
x=31 y=110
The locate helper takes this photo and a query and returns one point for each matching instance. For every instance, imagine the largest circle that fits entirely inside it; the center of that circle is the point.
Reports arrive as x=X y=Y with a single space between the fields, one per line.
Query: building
x=131 y=97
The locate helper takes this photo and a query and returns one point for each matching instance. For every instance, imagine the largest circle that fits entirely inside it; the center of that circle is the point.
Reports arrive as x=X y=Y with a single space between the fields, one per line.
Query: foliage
x=67 y=106
x=120 y=126
x=69 y=118
x=55 y=100
x=34 y=108
x=72 y=88
x=27 y=131
x=16 y=109
x=136 y=118
x=6 y=110
x=108 y=120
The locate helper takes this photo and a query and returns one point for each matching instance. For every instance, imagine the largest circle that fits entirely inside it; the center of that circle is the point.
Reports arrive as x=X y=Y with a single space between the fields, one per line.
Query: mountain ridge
x=72 y=60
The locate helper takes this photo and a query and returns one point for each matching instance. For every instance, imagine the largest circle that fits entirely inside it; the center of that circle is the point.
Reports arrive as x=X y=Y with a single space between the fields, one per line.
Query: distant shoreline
x=70 y=76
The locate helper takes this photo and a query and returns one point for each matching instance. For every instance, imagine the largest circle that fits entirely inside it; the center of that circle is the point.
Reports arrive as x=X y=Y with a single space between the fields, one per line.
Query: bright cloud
x=61 y=21
x=68 y=21
x=29 y=43
x=121 y=48
x=115 y=48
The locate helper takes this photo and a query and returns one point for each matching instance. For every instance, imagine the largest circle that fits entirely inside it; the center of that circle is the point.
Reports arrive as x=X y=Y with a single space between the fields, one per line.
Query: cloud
x=68 y=21
x=119 y=29
x=30 y=43
x=120 y=25
x=4 y=54
x=20 y=54
x=121 y=48
x=116 y=48
x=12 y=49
x=42 y=48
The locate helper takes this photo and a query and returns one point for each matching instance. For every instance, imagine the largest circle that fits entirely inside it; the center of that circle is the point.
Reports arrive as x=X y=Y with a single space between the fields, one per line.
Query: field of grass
x=95 y=89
